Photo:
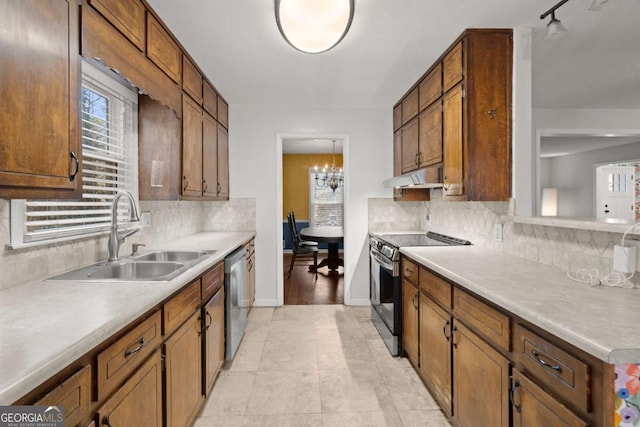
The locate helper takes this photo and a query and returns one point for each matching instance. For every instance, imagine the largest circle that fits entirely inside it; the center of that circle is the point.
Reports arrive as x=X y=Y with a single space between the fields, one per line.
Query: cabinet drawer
x=162 y=50
x=492 y=324
x=431 y=87
x=180 y=307
x=121 y=358
x=191 y=80
x=410 y=106
x=410 y=271
x=74 y=395
x=436 y=287
x=452 y=67
x=210 y=99
x=560 y=371
x=212 y=280
x=126 y=15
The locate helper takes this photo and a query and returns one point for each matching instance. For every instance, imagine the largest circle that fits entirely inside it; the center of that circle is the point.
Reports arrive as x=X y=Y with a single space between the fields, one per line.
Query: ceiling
x=310 y=146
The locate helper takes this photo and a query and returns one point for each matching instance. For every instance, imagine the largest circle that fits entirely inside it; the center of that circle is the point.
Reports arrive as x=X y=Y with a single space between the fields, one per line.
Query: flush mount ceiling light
x=555 y=29
x=314 y=26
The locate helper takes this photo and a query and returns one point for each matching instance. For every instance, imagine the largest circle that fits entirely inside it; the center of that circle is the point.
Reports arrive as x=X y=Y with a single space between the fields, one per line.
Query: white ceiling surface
x=563 y=145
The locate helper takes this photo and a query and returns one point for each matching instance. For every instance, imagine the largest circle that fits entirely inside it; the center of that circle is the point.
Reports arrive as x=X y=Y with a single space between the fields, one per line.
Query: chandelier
x=330 y=177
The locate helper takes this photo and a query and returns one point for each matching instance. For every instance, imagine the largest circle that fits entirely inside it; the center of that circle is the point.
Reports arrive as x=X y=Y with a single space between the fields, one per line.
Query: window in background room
x=325 y=205
x=109 y=164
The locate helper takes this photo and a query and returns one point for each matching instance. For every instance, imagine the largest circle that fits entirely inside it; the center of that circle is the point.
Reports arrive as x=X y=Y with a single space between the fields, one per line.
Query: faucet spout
x=116 y=239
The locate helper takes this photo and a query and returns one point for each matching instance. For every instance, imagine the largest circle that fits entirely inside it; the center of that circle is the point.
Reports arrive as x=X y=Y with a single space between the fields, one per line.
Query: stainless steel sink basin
x=174 y=256
x=125 y=271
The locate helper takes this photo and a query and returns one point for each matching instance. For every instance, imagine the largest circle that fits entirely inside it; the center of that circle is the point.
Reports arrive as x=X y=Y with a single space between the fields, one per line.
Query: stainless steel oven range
x=386 y=283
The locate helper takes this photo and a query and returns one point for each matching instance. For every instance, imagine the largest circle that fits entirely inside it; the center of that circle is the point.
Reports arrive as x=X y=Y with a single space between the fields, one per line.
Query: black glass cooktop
x=428 y=239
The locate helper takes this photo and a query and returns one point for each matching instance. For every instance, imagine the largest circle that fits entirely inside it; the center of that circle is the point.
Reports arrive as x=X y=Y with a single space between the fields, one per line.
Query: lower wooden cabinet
x=480 y=381
x=435 y=351
x=74 y=395
x=139 y=401
x=410 y=321
x=532 y=407
x=183 y=373
x=213 y=339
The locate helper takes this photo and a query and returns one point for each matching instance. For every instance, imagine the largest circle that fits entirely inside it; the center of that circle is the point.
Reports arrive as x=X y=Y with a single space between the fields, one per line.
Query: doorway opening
x=313 y=188
x=618 y=191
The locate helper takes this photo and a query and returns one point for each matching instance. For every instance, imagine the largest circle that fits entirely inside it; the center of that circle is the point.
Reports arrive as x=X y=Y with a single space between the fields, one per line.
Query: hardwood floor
x=302 y=289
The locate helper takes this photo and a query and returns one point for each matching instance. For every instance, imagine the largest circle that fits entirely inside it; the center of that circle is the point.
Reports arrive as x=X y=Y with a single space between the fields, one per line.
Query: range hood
x=421 y=178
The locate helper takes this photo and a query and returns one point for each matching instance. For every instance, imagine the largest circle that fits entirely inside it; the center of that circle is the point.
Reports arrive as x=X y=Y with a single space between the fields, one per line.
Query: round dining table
x=333 y=236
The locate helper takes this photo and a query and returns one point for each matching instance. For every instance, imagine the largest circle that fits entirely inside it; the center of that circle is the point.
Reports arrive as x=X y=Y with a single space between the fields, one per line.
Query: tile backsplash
x=566 y=248
x=169 y=220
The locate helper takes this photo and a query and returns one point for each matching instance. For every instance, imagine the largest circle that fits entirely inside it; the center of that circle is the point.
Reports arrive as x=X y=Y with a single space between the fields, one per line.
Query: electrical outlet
x=145 y=219
x=428 y=218
x=497 y=232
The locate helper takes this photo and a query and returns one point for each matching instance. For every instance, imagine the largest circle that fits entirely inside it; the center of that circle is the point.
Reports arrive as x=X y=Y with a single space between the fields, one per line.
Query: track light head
x=555 y=29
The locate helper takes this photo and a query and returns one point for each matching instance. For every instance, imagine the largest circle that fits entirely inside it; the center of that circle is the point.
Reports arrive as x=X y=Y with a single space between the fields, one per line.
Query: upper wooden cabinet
x=223 y=113
x=191 y=80
x=223 y=164
x=209 y=99
x=410 y=140
x=191 y=148
x=128 y=16
x=39 y=111
x=472 y=81
x=397 y=117
x=410 y=106
x=209 y=156
x=162 y=50
x=452 y=67
x=431 y=87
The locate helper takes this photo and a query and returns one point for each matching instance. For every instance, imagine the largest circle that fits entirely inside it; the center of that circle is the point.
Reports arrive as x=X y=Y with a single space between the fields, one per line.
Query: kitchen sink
x=174 y=256
x=152 y=266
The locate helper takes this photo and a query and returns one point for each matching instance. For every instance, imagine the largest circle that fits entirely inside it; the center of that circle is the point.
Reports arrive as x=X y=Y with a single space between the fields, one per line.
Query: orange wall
x=295 y=181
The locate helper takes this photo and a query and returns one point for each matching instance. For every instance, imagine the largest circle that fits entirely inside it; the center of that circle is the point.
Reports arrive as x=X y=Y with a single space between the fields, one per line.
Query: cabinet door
x=410 y=321
x=209 y=156
x=410 y=146
x=163 y=50
x=39 y=80
x=139 y=401
x=435 y=350
x=223 y=113
x=532 y=407
x=191 y=80
x=183 y=373
x=397 y=153
x=452 y=67
x=74 y=395
x=431 y=87
x=126 y=15
x=452 y=142
x=430 y=135
x=410 y=106
x=480 y=381
x=209 y=99
x=213 y=315
x=191 y=148
x=223 y=164
x=397 y=117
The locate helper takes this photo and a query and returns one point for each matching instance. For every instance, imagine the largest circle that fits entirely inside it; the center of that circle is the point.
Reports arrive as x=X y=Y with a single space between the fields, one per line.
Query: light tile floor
x=317 y=365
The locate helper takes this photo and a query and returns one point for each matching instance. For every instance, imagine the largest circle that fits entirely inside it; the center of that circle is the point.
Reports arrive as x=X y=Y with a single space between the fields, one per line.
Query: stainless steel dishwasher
x=237 y=300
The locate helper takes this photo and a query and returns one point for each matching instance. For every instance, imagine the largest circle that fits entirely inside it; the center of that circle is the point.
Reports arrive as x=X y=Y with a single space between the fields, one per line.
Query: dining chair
x=295 y=230
x=299 y=250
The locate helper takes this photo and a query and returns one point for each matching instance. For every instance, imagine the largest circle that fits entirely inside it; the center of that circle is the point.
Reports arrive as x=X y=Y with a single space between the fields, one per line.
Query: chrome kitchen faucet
x=115 y=239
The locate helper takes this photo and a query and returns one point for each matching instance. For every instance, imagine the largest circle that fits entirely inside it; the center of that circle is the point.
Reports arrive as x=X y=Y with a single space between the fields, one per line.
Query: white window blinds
x=325 y=205
x=109 y=164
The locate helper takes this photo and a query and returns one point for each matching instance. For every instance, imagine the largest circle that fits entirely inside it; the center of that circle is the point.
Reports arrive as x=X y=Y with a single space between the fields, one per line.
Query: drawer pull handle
x=445 y=329
x=72 y=176
x=512 y=392
x=128 y=353
x=415 y=302
x=453 y=330
x=210 y=321
x=105 y=421
x=544 y=364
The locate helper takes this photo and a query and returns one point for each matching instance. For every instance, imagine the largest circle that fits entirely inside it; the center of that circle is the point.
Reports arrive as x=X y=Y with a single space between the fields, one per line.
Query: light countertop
x=602 y=321
x=46 y=325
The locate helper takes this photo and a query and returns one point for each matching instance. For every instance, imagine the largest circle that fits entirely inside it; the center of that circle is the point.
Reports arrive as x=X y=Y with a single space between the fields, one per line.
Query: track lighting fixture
x=555 y=29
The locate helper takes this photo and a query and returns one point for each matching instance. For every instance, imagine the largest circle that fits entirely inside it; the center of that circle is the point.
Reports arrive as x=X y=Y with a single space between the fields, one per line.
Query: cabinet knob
x=492 y=113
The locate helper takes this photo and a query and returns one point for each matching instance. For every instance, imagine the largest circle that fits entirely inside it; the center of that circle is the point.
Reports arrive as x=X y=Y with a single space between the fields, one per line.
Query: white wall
x=254 y=160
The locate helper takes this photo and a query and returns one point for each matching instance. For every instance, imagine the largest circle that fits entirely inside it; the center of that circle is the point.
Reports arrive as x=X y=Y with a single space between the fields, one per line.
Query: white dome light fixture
x=555 y=29
x=314 y=26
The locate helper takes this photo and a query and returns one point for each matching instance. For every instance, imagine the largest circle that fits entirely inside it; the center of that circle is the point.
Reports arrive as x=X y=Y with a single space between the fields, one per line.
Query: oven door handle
x=384 y=263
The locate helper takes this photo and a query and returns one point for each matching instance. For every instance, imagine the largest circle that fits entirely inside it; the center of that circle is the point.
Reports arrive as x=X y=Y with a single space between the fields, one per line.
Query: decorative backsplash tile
x=566 y=248
x=169 y=220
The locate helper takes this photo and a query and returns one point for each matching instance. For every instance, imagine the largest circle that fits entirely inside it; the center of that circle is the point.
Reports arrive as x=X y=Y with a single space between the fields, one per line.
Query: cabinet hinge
x=463 y=93
x=163 y=365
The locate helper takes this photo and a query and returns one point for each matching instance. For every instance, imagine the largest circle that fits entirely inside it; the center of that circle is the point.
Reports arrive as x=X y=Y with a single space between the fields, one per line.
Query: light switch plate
x=497 y=232
x=145 y=219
